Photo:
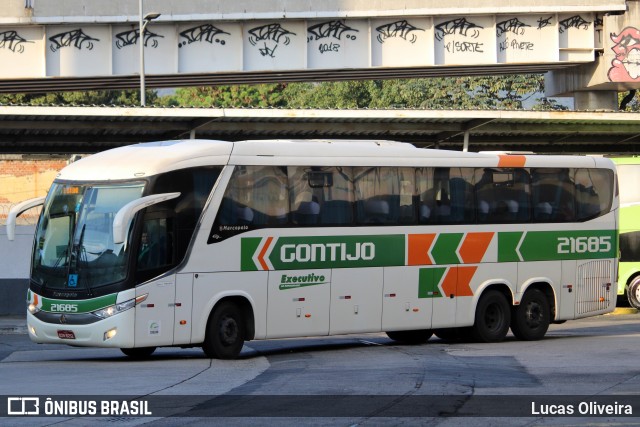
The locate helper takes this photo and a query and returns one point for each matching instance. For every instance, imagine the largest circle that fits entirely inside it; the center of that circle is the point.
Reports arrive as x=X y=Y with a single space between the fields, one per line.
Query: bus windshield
x=74 y=247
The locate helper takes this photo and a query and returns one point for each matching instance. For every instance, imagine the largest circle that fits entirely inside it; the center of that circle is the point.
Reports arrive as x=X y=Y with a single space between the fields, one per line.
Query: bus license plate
x=66 y=335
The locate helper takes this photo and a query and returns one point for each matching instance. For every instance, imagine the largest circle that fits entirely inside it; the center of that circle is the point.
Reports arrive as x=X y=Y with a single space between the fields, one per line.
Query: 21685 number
x=581 y=245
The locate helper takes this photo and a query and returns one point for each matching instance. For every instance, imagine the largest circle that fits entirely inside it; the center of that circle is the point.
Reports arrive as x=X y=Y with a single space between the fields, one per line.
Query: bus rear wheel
x=138 y=353
x=493 y=317
x=530 y=320
x=411 y=337
x=225 y=332
x=633 y=293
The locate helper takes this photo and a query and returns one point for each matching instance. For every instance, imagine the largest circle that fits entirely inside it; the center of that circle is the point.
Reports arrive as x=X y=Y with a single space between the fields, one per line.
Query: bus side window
x=454 y=198
x=306 y=185
x=377 y=195
x=336 y=201
x=269 y=195
x=425 y=187
x=156 y=244
x=593 y=191
x=553 y=195
x=502 y=195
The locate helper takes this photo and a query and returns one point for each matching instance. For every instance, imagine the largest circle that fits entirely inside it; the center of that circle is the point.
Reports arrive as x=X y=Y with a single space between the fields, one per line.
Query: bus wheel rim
x=228 y=330
x=533 y=315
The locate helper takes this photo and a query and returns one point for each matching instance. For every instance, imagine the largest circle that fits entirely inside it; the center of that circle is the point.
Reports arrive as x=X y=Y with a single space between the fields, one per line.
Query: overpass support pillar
x=595 y=100
x=595 y=86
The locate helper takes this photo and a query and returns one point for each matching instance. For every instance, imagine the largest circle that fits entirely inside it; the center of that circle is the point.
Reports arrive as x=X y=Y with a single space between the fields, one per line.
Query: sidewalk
x=10 y=325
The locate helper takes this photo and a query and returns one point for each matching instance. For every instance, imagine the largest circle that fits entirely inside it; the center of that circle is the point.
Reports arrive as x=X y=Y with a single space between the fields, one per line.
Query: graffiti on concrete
x=74 y=38
x=335 y=30
x=544 y=22
x=512 y=30
x=203 y=33
x=130 y=38
x=461 y=27
x=13 y=41
x=598 y=24
x=513 y=25
x=625 y=66
x=271 y=36
x=457 y=26
x=398 y=29
x=575 y=21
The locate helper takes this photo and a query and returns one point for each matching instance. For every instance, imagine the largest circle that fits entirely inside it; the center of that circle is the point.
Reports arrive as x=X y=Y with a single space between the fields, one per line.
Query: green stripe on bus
x=444 y=250
x=557 y=245
x=428 y=281
x=291 y=253
x=248 y=247
x=507 y=246
x=77 y=306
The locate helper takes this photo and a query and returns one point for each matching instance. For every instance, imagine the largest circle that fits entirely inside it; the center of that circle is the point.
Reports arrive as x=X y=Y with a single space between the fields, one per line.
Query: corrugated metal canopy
x=88 y=129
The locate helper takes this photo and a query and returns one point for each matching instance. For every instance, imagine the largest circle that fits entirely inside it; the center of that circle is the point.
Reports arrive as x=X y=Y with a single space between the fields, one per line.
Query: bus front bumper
x=116 y=331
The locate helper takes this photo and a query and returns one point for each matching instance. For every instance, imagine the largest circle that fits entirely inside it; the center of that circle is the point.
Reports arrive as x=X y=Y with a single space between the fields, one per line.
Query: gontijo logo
x=291 y=253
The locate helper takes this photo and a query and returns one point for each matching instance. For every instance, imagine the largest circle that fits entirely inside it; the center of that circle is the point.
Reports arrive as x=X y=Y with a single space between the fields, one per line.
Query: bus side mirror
x=125 y=215
x=15 y=212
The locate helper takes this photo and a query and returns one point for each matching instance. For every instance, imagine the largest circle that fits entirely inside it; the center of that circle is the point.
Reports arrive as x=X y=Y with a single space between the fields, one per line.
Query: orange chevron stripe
x=511 y=161
x=449 y=283
x=474 y=247
x=418 y=246
x=261 y=260
x=465 y=274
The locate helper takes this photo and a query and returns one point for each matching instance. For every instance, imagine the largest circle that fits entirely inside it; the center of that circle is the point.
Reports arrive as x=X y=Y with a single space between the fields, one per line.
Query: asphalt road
x=347 y=380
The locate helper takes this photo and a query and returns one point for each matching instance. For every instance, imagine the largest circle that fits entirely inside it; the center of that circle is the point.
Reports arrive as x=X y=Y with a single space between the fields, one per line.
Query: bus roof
x=147 y=159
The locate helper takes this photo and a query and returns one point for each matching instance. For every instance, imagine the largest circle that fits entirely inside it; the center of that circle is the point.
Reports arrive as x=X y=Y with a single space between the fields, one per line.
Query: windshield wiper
x=77 y=252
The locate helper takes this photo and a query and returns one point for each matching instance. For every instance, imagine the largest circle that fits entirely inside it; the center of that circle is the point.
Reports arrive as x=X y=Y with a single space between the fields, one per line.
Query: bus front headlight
x=33 y=309
x=107 y=312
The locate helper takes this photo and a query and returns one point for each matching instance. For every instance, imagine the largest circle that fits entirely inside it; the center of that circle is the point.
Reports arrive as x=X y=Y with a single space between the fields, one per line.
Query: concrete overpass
x=93 y=44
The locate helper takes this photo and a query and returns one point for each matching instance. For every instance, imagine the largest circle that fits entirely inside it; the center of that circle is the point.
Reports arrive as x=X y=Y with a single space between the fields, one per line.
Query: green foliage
x=509 y=92
x=264 y=95
x=628 y=101
x=92 y=97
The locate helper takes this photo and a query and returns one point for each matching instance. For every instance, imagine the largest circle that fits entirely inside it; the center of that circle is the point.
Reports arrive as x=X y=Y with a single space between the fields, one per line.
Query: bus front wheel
x=225 y=332
x=493 y=317
x=633 y=293
x=530 y=319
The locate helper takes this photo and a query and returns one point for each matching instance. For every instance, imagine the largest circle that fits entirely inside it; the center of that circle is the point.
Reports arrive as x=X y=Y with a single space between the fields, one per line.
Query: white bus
x=212 y=244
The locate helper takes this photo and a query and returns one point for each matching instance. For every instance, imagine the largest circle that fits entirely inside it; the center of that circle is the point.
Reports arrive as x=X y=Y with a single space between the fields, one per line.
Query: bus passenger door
x=155 y=315
x=356 y=300
x=407 y=298
x=298 y=303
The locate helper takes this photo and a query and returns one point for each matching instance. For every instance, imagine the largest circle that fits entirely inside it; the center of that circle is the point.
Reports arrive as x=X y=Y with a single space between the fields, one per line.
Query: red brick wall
x=24 y=178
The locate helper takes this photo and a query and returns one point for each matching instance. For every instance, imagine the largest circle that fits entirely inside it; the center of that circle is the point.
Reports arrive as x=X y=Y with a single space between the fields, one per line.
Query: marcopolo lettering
x=313 y=252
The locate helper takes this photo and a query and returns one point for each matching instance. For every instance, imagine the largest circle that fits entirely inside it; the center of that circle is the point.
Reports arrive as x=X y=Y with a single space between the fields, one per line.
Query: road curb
x=625 y=310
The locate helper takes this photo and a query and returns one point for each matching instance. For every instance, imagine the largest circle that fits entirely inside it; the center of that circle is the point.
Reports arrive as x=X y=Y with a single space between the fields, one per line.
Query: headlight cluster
x=33 y=309
x=106 y=312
